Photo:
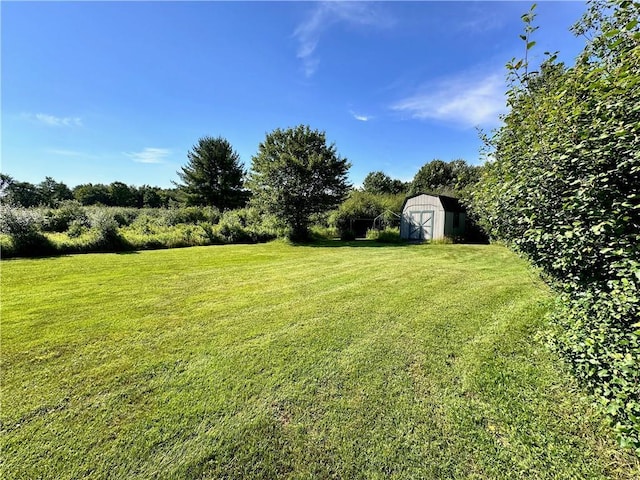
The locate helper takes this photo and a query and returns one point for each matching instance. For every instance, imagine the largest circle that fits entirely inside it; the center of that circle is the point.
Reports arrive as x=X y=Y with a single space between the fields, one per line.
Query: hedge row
x=564 y=190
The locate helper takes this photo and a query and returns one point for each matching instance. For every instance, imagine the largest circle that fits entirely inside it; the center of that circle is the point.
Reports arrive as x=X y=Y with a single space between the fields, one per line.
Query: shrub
x=347 y=235
x=389 y=235
x=324 y=232
x=192 y=215
x=372 y=234
x=76 y=229
x=232 y=227
x=107 y=237
x=61 y=218
x=564 y=190
x=125 y=216
x=24 y=227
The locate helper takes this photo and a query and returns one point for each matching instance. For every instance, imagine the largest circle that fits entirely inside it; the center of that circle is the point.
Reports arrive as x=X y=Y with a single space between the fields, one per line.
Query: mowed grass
x=280 y=361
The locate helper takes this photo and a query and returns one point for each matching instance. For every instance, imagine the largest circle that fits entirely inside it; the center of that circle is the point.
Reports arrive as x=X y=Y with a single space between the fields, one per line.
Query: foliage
x=106 y=228
x=73 y=228
x=122 y=195
x=365 y=205
x=20 y=194
x=90 y=194
x=60 y=219
x=386 y=235
x=295 y=175
x=53 y=193
x=24 y=228
x=444 y=178
x=564 y=189
x=213 y=175
x=244 y=226
x=380 y=183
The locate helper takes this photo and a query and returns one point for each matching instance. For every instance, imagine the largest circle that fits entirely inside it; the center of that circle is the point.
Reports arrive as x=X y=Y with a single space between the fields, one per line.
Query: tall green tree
x=92 y=194
x=52 y=192
x=296 y=174
x=447 y=178
x=23 y=194
x=122 y=195
x=434 y=177
x=213 y=175
x=380 y=183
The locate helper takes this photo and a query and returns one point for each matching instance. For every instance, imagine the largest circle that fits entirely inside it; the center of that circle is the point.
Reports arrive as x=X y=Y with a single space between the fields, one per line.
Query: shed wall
x=423 y=203
x=450 y=229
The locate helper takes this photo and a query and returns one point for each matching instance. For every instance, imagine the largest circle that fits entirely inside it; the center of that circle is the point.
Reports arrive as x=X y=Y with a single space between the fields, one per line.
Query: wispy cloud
x=466 y=101
x=327 y=14
x=360 y=118
x=53 y=121
x=66 y=153
x=149 y=155
x=481 y=19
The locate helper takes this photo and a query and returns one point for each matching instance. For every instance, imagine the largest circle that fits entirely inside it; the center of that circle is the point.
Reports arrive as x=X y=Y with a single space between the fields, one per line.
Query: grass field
x=276 y=361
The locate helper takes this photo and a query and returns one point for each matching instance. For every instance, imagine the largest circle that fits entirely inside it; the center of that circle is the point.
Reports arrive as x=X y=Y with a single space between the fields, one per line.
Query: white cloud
x=325 y=15
x=361 y=118
x=466 y=101
x=54 y=121
x=149 y=155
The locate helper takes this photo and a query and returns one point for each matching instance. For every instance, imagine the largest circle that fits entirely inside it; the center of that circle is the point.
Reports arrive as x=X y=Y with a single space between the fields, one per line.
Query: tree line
x=51 y=193
x=295 y=175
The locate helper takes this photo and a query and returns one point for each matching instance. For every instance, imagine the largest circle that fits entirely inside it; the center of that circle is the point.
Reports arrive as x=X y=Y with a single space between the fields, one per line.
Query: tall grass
x=73 y=228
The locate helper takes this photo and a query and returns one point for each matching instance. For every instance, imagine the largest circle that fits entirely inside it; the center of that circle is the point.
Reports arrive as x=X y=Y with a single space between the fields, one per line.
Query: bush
x=107 y=237
x=564 y=190
x=361 y=208
x=388 y=235
x=61 y=218
x=324 y=232
x=24 y=227
x=76 y=229
x=347 y=235
x=192 y=215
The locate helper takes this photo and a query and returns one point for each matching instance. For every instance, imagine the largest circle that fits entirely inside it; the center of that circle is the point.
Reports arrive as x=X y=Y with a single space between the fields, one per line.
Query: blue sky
x=120 y=91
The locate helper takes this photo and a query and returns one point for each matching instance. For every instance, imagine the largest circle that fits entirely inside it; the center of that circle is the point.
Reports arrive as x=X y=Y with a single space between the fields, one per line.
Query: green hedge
x=564 y=190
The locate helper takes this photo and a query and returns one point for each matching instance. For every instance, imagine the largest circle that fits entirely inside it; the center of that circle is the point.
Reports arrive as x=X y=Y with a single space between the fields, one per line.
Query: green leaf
x=631 y=24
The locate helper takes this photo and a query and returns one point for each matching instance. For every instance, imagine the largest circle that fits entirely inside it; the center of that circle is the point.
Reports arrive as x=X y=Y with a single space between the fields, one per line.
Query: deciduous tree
x=296 y=174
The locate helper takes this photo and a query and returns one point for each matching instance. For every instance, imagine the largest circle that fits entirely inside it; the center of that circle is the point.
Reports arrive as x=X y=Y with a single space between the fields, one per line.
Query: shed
x=432 y=217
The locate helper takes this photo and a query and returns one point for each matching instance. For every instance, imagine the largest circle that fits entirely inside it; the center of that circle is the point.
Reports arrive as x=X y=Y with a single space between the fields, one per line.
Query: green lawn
x=276 y=361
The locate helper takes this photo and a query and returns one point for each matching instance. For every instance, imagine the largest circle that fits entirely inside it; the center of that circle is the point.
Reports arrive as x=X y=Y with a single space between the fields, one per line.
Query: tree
x=434 y=177
x=380 y=183
x=122 y=195
x=5 y=184
x=149 y=197
x=464 y=175
x=90 y=194
x=52 y=192
x=23 y=194
x=296 y=174
x=213 y=176
x=448 y=178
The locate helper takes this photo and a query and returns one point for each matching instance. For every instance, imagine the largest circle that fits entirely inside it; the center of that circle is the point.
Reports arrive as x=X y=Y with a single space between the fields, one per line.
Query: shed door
x=421 y=225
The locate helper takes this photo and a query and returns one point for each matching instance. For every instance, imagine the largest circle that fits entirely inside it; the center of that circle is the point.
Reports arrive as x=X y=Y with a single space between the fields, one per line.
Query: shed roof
x=450 y=204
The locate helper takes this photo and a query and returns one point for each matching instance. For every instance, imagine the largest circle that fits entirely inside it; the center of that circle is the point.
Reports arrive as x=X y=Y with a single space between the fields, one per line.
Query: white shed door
x=421 y=225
